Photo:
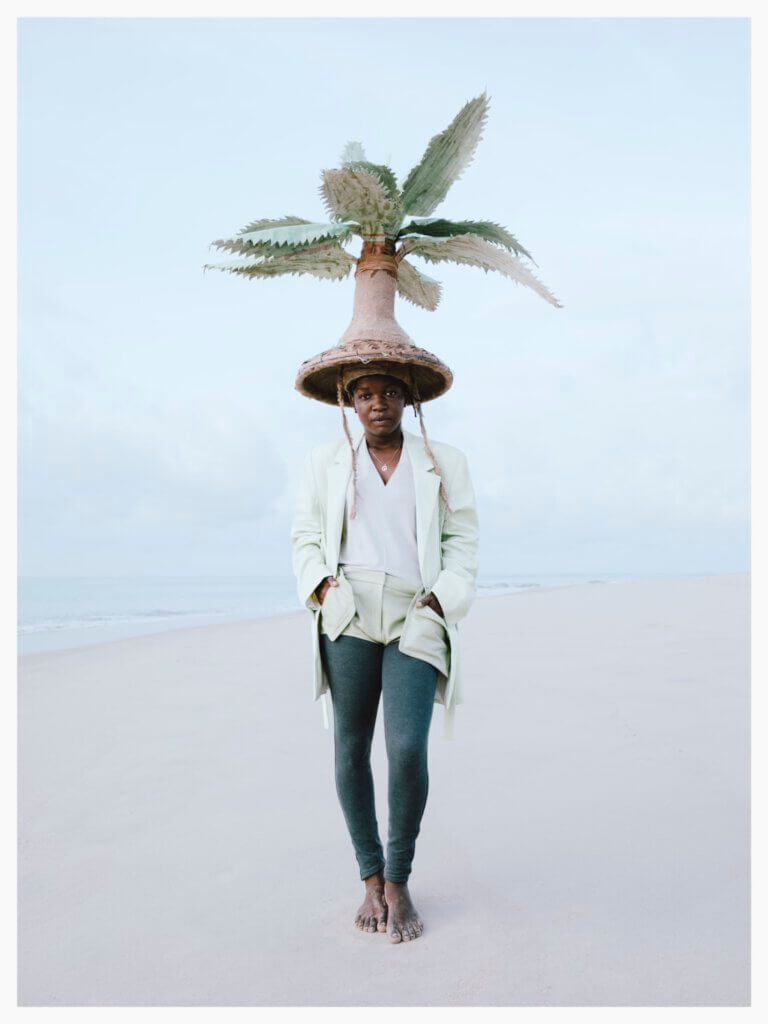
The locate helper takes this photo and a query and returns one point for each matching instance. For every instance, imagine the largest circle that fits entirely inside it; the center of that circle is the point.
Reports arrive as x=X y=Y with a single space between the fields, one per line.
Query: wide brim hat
x=425 y=376
x=374 y=342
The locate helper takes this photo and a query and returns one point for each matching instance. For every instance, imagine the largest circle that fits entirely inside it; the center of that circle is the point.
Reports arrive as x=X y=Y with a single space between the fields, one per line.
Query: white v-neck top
x=383 y=533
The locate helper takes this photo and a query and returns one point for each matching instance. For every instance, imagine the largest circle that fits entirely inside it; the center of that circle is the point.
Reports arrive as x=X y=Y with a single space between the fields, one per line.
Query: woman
x=385 y=532
x=388 y=588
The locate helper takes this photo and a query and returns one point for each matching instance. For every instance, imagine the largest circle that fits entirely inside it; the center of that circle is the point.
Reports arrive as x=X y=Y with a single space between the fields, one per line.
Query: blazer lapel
x=426 y=485
x=339 y=474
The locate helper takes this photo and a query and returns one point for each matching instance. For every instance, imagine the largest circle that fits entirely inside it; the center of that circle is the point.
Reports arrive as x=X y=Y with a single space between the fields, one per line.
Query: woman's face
x=379 y=402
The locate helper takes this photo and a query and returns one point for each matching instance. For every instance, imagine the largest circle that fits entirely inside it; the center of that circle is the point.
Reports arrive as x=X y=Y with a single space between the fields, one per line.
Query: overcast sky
x=160 y=432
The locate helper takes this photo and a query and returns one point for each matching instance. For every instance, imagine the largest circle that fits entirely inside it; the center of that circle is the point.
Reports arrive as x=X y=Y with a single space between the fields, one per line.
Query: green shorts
x=385 y=610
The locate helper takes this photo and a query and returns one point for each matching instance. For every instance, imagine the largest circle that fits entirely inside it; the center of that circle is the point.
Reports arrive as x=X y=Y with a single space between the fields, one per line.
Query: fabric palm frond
x=296 y=235
x=445 y=158
x=328 y=261
x=439 y=227
x=353 y=152
x=280 y=222
x=385 y=175
x=476 y=252
x=387 y=178
x=239 y=247
x=358 y=196
x=415 y=286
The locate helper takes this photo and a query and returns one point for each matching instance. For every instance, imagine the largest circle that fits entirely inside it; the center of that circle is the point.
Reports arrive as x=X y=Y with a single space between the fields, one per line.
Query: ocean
x=57 y=612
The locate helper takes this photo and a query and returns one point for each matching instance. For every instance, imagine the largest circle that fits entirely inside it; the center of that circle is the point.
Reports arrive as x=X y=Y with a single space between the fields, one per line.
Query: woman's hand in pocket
x=431 y=600
x=322 y=589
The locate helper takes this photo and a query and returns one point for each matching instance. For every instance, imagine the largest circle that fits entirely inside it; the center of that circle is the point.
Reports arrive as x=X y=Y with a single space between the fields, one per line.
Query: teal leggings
x=359 y=673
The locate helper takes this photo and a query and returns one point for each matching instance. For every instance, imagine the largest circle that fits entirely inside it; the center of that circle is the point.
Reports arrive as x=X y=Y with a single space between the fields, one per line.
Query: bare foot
x=403 y=922
x=372 y=913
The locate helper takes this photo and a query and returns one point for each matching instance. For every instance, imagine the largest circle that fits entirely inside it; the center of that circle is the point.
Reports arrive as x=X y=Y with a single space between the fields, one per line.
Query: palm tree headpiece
x=394 y=222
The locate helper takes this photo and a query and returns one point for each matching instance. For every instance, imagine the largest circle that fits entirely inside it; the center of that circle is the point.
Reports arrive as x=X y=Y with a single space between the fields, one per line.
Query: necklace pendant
x=385 y=467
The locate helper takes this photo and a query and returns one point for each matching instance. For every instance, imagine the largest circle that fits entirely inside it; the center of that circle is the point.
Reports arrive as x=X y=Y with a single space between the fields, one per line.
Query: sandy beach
x=585 y=841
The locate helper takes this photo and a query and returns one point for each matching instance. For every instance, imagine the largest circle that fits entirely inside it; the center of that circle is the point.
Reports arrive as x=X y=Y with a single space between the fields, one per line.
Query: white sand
x=585 y=840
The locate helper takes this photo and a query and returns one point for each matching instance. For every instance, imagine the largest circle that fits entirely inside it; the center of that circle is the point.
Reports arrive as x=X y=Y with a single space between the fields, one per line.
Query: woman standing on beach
x=383 y=633
x=385 y=532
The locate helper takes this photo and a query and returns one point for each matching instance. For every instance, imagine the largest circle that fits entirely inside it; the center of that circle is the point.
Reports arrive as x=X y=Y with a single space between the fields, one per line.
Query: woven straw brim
x=317 y=376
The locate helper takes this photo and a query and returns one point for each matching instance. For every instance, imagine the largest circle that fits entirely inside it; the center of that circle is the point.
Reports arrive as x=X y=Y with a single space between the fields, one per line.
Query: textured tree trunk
x=373 y=314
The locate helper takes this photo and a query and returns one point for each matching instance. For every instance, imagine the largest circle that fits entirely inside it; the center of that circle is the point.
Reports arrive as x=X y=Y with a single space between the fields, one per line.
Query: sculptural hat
x=395 y=223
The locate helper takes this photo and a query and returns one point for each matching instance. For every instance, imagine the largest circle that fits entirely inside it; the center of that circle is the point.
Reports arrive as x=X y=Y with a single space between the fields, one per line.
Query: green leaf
x=476 y=252
x=415 y=286
x=446 y=156
x=328 y=261
x=387 y=178
x=385 y=175
x=259 y=225
x=237 y=245
x=295 y=235
x=439 y=227
x=357 y=196
x=353 y=152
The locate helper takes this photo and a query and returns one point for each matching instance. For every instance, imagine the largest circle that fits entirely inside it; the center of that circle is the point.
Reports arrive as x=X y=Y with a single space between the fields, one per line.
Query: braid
x=340 y=399
x=427 y=446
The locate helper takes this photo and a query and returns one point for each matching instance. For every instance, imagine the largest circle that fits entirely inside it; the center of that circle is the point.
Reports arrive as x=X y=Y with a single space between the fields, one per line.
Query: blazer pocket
x=425 y=636
x=338 y=607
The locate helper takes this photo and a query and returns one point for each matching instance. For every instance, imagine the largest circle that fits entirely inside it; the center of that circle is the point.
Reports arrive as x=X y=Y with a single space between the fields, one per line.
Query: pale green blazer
x=447 y=549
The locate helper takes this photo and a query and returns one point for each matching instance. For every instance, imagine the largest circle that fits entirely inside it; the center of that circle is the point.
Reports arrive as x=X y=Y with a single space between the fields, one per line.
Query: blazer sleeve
x=456 y=585
x=309 y=568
